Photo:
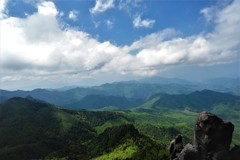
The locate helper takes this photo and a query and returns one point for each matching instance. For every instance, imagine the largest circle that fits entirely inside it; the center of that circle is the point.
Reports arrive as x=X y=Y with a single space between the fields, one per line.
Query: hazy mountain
x=52 y=96
x=65 y=88
x=101 y=101
x=43 y=94
x=223 y=80
x=198 y=100
x=218 y=84
x=128 y=91
x=162 y=80
x=223 y=84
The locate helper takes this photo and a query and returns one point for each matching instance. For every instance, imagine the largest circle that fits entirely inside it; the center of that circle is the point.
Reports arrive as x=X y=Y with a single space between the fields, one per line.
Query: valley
x=126 y=124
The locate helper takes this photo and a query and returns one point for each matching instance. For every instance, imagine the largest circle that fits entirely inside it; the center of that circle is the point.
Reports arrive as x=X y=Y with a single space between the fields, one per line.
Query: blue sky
x=86 y=42
x=116 y=23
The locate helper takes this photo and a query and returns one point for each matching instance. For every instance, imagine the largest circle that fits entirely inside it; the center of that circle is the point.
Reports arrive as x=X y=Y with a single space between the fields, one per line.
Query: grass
x=122 y=152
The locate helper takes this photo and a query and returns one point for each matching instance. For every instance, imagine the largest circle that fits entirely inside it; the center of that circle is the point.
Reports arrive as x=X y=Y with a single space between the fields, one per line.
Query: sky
x=55 y=43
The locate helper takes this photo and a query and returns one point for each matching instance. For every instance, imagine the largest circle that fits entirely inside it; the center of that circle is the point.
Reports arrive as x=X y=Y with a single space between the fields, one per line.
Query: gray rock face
x=189 y=152
x=213 y=137
x=176 y=146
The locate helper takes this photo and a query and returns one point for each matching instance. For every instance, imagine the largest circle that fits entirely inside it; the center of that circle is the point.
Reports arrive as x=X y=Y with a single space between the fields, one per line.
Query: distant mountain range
x=198 y=100
x=162 y=80
x=100 y=101
x=123 y=94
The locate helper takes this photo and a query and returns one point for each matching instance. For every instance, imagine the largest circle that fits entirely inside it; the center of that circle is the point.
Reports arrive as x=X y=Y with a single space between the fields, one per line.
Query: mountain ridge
x=198 y=100
x=31 y=129
x=138 y=90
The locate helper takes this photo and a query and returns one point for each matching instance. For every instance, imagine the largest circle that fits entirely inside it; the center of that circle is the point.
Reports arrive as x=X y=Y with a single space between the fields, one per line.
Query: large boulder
x=189 y=152
x=213 y=137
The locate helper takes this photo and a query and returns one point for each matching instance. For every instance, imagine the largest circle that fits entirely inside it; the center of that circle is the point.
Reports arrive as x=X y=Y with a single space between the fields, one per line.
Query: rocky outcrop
x=176 y=146
x=212 y=139
x=235 y=153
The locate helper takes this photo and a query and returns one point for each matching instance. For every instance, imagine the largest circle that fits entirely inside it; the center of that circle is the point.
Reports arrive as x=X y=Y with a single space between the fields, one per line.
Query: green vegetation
x=32 y=129
x=128 y=143
x=125 y=151
x=230 y=112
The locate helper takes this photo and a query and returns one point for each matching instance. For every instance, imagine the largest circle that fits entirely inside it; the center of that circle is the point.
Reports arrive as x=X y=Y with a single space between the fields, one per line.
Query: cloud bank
x=40 y=47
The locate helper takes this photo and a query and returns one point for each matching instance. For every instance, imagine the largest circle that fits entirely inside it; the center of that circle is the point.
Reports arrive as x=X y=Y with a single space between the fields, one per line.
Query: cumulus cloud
x=138 y=22
x=49 y=50
x=47 y=8
x=3 y=8
x=102 y=6
x=30 y=50
x=73 y=15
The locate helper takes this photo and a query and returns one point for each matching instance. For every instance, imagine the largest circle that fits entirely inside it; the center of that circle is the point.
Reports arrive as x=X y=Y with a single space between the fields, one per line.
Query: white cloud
x=73 y=15
x=209 y=13
x=3 y=9
x=153 y=39
x=2 y=5
x=48 y=50
x=109 y=24
x=129 y=4
x=145 y=23
x=102 y=6
x=131 y=7
x=219 y=46
x=31 y=51
x=47 y=8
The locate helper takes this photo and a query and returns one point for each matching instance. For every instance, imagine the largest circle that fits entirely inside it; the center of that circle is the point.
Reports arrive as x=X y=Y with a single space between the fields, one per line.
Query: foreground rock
x=213 y=137
x=176 y=146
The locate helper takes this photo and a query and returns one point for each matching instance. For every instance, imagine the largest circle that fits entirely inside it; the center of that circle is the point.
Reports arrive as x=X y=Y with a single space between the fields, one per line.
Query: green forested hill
x=31 y=129
x=171 y=114
x=125 y=142
x=198 y=100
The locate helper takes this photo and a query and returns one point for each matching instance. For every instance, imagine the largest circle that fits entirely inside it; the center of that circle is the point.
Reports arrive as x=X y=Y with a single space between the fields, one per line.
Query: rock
x=176 y=146
x=213 y=137
x=189 y=152
x=235 y=152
